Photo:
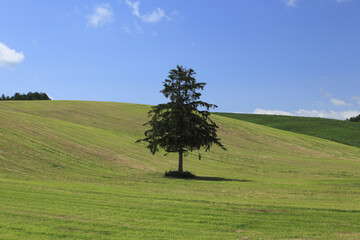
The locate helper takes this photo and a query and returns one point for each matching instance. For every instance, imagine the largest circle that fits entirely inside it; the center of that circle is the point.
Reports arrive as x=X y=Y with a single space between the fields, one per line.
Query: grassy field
x=71 y=170
x=335 y=130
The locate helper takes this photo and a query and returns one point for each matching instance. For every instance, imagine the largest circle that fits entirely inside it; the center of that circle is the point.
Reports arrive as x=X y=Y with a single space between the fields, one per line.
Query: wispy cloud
x=126 y=29
x=341 y=1
x=324 y=93
x=338 y=102
x=356 y=99
x=102 y=14
x=155 y=16
x=271 y=112
x=335 y=101
x=138 y=28
x=9 y=57
x=290 y=3
x=341 y=115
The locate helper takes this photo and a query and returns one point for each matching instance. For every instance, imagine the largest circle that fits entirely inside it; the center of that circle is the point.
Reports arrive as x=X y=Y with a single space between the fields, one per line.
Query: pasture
x=335 y=130
x=72 y=170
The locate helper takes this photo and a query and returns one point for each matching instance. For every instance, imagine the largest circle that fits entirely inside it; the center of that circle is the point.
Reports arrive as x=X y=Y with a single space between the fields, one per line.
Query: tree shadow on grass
x=219 y=179
x=190 y=176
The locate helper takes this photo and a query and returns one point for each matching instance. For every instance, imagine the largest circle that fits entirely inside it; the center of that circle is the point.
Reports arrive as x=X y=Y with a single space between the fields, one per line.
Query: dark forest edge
x=28 y=96
x=354 y=119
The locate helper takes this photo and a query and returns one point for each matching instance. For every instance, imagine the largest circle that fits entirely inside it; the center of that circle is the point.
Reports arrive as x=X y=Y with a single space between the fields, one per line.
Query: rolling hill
x=71 y=170
x=335 y=130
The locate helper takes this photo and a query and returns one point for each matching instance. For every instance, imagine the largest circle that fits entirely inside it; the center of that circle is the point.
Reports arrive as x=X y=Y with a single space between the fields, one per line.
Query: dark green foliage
x=179 y=125
x=336 y=130
x=354 y=119
x=177 y=174
x=29 y=96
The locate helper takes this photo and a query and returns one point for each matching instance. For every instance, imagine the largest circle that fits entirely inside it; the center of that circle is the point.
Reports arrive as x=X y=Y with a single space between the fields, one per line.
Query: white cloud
x=271 y=112
x=102 y=14
x=290 y=3
x=126 y=29
x=135 y=7
x=341 y=115
x=155 y=16
x=341 y=1
x=338 y=102
x=9 y=57
x=138 y=28
x=356 y=99
x=324 y=93
x=335 y=101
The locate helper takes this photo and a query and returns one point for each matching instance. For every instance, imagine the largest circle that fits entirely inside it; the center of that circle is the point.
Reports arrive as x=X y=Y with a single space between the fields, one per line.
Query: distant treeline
x=29 y=96
x=354 y=119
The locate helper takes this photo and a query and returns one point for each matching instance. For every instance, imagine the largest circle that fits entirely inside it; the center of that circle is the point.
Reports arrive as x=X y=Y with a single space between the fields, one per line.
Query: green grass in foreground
x=71 y=170
x=335 y=130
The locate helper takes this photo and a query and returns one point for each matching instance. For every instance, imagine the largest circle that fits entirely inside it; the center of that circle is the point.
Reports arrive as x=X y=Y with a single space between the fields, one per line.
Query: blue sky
x=295 y=57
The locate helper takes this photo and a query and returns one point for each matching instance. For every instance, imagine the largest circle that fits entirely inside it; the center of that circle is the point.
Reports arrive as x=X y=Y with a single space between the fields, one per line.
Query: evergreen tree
x=354 y=119
x=180 y=125
x=17 y=96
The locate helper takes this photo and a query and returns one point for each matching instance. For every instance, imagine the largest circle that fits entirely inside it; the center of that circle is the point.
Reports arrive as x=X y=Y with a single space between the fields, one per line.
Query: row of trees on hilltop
x=354 y=119
x=28 y=96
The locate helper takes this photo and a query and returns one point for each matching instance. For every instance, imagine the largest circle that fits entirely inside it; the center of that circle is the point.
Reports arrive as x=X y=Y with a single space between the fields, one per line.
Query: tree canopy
x=354 y=119
x=28 y=96
x=183 y=124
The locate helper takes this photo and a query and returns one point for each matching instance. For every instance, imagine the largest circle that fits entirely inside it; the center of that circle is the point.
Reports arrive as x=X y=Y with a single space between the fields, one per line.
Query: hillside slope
x=71 y=169
x=335 y=130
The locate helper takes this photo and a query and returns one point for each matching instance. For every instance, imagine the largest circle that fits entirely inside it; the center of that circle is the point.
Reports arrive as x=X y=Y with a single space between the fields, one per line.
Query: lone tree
x=183 y=124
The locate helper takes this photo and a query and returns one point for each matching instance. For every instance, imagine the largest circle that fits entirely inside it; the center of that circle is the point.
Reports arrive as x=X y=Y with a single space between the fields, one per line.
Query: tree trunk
x=180 y=170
